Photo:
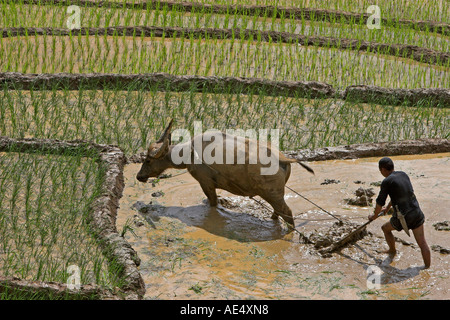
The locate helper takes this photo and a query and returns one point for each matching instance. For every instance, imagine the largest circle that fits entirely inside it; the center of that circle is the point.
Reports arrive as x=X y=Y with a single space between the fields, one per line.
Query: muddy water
x=190 y=251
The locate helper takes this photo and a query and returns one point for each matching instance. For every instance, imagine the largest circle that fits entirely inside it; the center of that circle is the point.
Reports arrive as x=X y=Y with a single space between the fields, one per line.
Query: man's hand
x=378 y=212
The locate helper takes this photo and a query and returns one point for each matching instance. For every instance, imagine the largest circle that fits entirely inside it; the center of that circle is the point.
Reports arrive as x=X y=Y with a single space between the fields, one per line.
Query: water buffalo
x=244 y=178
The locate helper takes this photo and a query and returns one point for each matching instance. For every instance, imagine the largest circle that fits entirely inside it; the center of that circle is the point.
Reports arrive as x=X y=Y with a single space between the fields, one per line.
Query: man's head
x=386 y=166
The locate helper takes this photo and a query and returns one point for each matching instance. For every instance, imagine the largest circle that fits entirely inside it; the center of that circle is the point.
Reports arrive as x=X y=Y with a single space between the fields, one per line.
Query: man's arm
x=388 y=207
x=381 y=200
x=375 y=214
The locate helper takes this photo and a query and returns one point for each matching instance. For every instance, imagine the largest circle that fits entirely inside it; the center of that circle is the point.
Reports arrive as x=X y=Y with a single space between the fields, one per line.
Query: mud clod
x=138 y=222
x=157 y=194
x=325 y=239
x=363 y=197
x=330 y=181
x=440 y=249
x=442 y=226
x=367 y=192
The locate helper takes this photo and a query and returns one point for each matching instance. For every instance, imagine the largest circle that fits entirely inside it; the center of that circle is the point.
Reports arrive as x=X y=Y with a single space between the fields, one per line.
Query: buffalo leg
x=210 y=192
x=200 y=173
x=281 y=209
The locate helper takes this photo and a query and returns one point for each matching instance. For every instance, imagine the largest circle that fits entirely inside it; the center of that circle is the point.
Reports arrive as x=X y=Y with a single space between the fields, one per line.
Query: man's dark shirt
x=398 y=186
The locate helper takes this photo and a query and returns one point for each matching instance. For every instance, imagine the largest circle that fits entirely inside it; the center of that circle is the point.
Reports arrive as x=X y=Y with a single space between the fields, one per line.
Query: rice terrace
x=96 y=96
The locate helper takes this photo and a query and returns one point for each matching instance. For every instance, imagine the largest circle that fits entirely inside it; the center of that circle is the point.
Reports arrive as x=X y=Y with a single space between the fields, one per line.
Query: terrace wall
x=399 y=50
x=212 y=84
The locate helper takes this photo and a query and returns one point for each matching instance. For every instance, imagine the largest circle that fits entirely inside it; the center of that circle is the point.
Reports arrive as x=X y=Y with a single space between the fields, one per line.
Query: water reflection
x=218 y=221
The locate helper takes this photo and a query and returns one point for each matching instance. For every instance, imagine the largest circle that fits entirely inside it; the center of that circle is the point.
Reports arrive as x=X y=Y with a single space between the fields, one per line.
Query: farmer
x=407 y=214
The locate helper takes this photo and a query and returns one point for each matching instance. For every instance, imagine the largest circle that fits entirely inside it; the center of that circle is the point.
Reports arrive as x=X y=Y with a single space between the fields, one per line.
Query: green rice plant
x=241 y=58
x=127 y=118
x=101 y=17
x=406 y=9
x=43 y=216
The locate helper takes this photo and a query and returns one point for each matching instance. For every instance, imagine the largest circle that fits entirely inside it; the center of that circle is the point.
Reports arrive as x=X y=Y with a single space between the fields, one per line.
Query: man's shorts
x=414 y=219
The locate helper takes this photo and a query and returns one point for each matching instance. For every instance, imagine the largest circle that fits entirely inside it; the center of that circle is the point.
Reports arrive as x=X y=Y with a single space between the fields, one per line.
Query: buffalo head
x=156 y=162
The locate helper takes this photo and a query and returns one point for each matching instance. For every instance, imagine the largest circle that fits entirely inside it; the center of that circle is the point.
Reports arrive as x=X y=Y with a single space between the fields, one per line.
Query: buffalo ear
x=166 y=134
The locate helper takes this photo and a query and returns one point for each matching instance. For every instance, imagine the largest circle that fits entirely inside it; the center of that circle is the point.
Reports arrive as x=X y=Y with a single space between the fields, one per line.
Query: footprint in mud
x=390 y=274
x=150 y=212
x=245 y=205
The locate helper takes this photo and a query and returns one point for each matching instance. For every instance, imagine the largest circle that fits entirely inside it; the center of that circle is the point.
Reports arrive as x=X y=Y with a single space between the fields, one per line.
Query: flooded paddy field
x=236 y=251
x=54 y=16
x=191 y=251
x=429 y=9
x=127 y=118
x=237 y=58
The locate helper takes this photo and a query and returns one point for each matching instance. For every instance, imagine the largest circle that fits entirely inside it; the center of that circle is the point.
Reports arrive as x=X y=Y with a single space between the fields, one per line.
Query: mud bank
x=165 y=82
x=366 y=150
x=213 y=84
x=55 y=290
x=356 y=151
x=258 y=10
x=398 y=50
x=366 y=94
x=102 y=219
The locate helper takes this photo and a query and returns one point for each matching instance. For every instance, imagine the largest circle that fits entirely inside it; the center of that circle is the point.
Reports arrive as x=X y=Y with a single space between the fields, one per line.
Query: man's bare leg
x=390 y=239
x=422 y=243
